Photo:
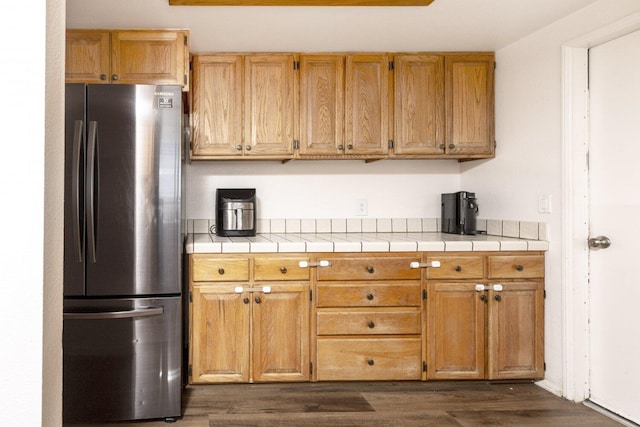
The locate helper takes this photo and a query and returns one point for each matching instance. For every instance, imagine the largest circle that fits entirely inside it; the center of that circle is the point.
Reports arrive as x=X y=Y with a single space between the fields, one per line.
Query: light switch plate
x=544 y=203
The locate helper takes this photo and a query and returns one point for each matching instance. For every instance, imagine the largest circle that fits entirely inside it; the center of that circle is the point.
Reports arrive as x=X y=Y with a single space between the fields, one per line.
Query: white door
x=614 y=187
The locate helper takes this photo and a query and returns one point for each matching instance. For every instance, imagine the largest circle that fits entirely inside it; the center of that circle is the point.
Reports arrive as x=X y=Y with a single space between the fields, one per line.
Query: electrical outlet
x=362 y=207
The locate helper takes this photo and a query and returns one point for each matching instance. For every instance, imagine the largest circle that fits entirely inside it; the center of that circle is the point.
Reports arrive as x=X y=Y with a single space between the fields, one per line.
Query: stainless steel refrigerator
x=122 y=333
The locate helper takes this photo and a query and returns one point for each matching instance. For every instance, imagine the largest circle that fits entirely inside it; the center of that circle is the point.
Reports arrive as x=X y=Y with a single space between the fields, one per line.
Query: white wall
x=30 y=220
x=529 y=152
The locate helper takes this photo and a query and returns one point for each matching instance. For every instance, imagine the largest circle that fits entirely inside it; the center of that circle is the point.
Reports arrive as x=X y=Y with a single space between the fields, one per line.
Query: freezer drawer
x=122 y=359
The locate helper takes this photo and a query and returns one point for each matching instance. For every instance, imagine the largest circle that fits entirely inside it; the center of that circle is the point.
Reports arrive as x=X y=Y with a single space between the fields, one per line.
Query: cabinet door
x=516 y=331
x=469 y=104
x=281 y=334
x=366 y=104
x=87 y=56
x=419 y=104
x=321 y=104
x=156 y=57
x=270 y=96
x=219 y=335
x=216 y=112
x=456 y=319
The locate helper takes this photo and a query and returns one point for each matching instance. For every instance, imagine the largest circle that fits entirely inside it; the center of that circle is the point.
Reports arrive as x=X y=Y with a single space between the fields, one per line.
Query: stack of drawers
x=368 y=319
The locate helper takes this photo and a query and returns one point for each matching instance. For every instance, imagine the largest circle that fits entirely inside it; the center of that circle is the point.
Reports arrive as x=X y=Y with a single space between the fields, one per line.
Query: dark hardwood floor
x=378 y=404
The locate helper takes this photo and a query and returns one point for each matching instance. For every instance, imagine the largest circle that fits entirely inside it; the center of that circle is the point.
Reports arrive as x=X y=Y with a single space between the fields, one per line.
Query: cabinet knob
x=245 y=300
x=498 y=298
x=340 y=147
x=458 y=268
x=238 y=147
x=442 y=147
x=370 y=362
x=248 y=148
x=370 y=270
x=103 y=77
x=452 y=146
x=350 y=146
x=519 y=267
x=258 y=300
x=369 y=297
x=483 y=297
x=371 y=325
x=283 y=270
x=221 y=271
x=114 y=77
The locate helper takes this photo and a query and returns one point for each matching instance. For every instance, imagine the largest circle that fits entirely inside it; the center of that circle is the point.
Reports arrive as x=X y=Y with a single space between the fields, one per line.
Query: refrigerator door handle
x=75 y=186
x=125 y=314
x=89 y=190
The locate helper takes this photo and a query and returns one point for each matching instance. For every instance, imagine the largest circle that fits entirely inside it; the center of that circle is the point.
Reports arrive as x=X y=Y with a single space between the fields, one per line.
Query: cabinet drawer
x=369 y=359
x=280 y=269
x=512 y=267
x=368 y=295
x=458 y=267
x=370 y=322
x=219 y=269
x=389 y=268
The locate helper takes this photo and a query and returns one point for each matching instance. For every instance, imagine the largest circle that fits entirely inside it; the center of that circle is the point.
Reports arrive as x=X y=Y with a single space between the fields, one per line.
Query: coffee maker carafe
x=459 y=212
x=235 y=212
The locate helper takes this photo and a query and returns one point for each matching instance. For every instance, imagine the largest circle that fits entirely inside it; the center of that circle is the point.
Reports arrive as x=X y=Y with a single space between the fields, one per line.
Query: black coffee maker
x=459 y=212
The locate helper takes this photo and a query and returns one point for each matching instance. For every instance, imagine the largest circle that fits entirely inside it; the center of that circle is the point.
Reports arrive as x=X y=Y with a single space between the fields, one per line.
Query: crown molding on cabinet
x=300 y=2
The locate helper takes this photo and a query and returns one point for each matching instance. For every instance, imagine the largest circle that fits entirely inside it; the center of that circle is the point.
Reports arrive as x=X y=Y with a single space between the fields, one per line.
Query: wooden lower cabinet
x=250 y=336
x=491 y=328
x=259 y=318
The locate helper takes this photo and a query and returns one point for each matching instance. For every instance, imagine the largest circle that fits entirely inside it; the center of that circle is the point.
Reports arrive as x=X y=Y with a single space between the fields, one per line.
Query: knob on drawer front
x=370 y=362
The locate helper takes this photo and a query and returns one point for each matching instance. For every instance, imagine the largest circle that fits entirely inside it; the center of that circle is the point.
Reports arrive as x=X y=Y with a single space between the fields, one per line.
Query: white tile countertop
x=358 y=242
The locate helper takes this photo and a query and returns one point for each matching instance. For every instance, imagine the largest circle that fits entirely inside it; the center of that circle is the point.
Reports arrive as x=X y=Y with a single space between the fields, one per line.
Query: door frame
x=575 y=204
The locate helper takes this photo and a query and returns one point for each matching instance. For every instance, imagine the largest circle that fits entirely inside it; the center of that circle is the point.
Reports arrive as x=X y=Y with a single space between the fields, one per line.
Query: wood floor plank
x=378 y=404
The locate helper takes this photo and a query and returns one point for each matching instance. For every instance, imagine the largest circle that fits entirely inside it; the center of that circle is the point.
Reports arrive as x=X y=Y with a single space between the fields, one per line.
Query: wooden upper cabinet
x=269 y=105
x=216 y=108
x=142 y=56
x=88 y=56
x=128 y=57
x=367 y=104
x=469 y=105
x=419 y=119
x=321 y=104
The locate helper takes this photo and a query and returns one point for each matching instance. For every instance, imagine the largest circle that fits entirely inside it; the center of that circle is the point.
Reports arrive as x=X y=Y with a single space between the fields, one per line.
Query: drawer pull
x=306 y=264
x=221 y=271
x=371 y=325
x=458 y=268
x=483 y=297
x=283 y=270
x=498 y=297
x=370 y=362
x=258 y=300
x=369 y=297
x=432 y=264
x=264 y=289
x=519 y=267
x=370 y=270
x=245 y=300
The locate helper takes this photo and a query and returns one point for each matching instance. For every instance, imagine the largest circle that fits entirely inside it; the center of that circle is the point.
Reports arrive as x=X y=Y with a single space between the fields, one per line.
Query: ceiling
x=452 y=25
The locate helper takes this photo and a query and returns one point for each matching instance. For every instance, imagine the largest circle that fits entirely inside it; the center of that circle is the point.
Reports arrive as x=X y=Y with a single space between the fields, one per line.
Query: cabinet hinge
x=310 y=368
x=310 y=295
x=296 y=144
x=185 y=40
x=495 y=144
x=296 y=65
x=424 y=366
x=185 y=79
x=190 y=296
x=390 y=143
x=544 y=366
x=424 y=294
x=390 y=65
x=495 y=65
x=190 y=370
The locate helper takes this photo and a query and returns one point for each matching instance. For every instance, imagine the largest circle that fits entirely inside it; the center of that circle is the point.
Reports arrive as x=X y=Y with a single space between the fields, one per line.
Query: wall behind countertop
x=326 y=188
